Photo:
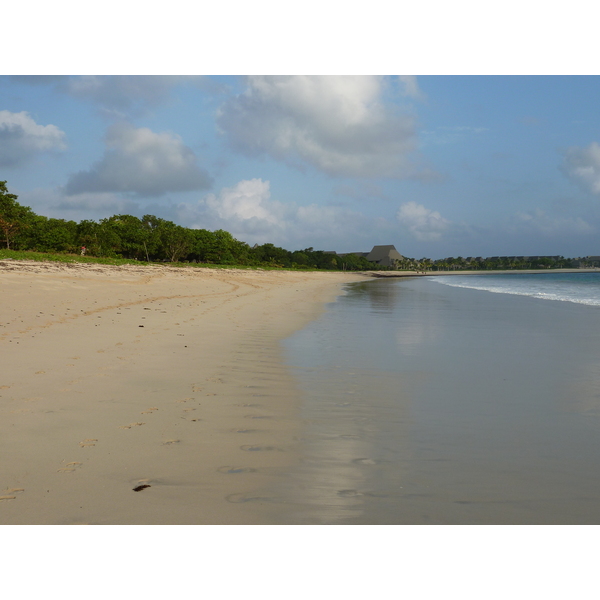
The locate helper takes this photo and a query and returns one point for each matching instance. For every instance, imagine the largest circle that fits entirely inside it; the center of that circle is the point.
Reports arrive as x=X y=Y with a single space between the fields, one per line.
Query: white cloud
x=246 y=210
x=21 y=138
x=340 y=125
x=141 y=162
x=582 y=165
x=247 y=207
x=423 y=224
x=247 y=200
x=411 y=87
x=249 y=213
x=539 y=221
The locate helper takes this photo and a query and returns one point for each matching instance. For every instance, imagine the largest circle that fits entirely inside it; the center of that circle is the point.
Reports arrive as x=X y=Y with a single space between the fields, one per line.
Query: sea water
x=449 y=399
x=581 y=288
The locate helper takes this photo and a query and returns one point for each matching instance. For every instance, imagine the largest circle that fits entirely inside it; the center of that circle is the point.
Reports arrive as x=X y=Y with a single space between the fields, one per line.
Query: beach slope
x=150 y=394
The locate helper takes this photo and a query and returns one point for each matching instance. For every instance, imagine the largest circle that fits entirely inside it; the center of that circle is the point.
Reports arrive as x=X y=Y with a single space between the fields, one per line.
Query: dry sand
x=115 y=378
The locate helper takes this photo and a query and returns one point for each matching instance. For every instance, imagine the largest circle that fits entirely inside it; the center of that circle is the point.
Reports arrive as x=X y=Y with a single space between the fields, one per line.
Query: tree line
x=151 y=239
x=494 y=263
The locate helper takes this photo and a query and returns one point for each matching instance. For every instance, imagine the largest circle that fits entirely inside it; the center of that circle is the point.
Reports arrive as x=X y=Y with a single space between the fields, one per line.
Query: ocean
x=581 y=288
x=449 y=400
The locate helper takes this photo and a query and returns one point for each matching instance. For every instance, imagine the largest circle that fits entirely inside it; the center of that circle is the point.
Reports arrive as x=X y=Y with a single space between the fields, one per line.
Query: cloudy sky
x=436 y=165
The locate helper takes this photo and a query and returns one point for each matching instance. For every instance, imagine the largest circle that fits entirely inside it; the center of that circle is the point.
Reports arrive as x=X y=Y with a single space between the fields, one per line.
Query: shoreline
x=382 y=274
x=435 y=404
x=169 y=380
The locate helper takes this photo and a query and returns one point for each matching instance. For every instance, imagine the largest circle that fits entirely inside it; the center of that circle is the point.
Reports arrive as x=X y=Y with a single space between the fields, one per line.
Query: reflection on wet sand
x=424 y=403
x=345 y=462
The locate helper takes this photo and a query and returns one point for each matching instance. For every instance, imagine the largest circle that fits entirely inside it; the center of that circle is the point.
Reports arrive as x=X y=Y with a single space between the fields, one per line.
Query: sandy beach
x=158 y=379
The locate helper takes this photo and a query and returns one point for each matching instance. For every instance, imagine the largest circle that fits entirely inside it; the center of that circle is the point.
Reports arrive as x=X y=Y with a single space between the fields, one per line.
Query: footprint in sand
x=170 y=442
x=131 y=425
x=234 y=470
x=10 y=494
x=149 y=411
x=242 y=498
x=70 y=467
x=184 y=400
x=88 y=442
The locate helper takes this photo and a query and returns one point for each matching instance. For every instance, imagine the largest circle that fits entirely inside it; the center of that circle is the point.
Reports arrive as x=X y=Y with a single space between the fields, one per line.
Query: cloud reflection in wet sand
x=344 y=460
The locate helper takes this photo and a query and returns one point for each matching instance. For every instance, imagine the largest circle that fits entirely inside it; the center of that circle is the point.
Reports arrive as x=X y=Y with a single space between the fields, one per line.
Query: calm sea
x=450 y=399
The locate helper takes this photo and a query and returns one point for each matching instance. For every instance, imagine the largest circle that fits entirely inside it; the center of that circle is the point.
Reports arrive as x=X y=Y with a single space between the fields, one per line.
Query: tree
x=87 y=235
x=109 y=239
x=51 y=235
x=273 y=255
x=14 y=218
x=203 y=241
x=126 y=235
x=352 y=262
x=225 y=246
x=152 y=243
x=176 y=241
x=426 y=264
x=300 y=258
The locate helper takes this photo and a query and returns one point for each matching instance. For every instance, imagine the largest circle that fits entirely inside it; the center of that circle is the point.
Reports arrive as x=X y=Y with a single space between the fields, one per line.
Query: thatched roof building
x=385 y=256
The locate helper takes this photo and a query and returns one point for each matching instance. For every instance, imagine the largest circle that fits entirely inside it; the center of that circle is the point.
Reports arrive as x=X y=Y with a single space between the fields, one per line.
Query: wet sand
x=430 y=404
x=148 y=395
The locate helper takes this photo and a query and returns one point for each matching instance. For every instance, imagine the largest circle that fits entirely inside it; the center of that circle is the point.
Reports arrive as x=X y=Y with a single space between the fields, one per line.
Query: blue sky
x=436 y=165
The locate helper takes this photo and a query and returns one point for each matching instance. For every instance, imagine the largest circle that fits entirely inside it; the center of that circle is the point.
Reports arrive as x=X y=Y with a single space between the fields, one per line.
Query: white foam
x=580 y=289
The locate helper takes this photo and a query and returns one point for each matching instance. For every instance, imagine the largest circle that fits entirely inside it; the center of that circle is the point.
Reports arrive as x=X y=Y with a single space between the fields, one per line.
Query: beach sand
x=152 y=378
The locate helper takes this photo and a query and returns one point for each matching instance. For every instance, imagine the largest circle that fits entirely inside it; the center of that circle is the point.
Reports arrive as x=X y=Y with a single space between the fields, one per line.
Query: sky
x=450 y=130
x=438 y=165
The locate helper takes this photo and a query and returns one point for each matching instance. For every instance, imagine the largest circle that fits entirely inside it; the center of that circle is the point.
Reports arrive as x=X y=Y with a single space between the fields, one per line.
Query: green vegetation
x=123 y=239
x=76 y=258
x=64 y=257
x=496 y=263
x=126 y=239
